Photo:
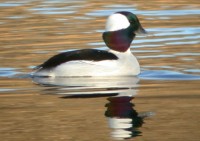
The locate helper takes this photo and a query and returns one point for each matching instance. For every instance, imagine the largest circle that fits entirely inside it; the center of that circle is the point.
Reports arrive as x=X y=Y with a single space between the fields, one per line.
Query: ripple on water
x=167 y=75
x=60 y=1
x=180 y=12
x=7 y=72
x=172 y=36
x=12 y=4
x=163 y=14
x=164 y=36
x=53 y=10
x=192 y=70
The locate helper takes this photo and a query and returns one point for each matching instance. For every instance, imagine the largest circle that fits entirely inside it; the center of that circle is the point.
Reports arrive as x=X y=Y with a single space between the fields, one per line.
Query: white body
x=126 y=65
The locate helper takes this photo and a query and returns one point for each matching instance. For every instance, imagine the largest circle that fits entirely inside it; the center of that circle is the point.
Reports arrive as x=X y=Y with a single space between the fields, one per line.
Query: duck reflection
x=123 y=119
x=85 y=86
x=98 y=82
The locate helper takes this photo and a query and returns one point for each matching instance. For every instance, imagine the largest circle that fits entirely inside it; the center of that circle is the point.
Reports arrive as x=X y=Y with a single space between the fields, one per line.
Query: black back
x=85 y=54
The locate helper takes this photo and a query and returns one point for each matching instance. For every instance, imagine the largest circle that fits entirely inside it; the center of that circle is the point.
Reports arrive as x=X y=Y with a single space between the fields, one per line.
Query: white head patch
x=117 y=22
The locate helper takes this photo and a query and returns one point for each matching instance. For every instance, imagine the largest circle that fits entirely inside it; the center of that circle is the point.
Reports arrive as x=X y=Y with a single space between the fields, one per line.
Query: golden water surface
x=167 y=89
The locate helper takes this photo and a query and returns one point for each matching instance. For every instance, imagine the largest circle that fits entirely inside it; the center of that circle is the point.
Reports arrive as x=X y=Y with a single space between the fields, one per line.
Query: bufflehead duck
x=121 y=28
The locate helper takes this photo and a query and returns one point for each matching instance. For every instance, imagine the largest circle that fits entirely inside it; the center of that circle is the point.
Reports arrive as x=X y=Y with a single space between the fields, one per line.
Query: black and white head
x=121 y=28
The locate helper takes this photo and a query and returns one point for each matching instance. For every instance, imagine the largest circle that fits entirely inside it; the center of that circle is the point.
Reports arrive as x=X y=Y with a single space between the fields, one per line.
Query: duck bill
x=141 y=30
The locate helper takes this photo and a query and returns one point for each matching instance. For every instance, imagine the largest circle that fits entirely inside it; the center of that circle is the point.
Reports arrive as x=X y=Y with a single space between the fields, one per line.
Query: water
x=162 y=103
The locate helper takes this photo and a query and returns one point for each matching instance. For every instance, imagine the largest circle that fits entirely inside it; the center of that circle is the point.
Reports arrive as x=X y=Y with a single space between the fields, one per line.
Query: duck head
x=121 y=28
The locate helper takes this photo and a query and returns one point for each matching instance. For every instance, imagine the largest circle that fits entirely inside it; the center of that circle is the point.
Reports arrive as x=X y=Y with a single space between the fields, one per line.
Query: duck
x=120 y=30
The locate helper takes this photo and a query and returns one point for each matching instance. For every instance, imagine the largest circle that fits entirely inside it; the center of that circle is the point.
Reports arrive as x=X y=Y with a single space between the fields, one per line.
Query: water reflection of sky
x=13 y=4
x=55 y=10
x=162 y=36
x=152 y=13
